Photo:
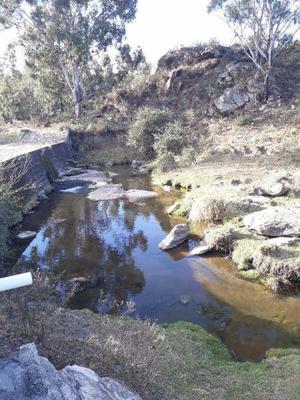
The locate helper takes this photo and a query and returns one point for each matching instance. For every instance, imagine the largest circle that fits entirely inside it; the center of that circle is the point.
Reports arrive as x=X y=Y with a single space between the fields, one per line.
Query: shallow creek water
x=115 y=245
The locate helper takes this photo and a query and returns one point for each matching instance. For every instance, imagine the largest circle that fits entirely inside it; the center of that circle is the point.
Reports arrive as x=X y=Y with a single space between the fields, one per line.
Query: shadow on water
x=113 y=245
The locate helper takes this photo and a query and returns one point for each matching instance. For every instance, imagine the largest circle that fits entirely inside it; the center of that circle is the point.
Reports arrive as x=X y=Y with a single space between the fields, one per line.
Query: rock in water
x=26 y=235
x=138 y=195
x=203 y=248
x=27 y=376
x=107 y=192
x=275 y=222
x=178 y=235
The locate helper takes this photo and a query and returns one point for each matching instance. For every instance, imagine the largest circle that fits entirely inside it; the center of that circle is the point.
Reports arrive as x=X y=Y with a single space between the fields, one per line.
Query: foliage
x=263 y=27
x=171 y=143
x=64 y=41
x=245 y=120
x=148 y=125
x=10 y=204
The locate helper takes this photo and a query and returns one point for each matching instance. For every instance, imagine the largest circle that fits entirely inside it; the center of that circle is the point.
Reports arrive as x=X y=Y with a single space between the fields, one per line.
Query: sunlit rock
x=178 y=235
x=25 y=375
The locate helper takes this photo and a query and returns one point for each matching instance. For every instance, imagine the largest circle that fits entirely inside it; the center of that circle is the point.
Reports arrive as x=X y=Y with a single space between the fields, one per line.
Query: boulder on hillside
x=231 y=100
x=278 y=184
x=178 y=235
x=275 y=222
x=26 y=376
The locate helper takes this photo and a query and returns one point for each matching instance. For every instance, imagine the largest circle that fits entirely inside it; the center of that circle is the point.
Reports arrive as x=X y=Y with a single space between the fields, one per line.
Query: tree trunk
x=268 y=81
x=77 y=109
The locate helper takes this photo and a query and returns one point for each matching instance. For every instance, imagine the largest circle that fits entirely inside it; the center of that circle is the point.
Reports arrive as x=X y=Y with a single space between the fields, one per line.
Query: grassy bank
x=177 y=361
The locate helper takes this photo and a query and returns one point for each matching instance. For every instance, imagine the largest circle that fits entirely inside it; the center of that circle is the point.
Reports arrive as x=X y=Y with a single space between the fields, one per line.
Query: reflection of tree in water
x=94 y=241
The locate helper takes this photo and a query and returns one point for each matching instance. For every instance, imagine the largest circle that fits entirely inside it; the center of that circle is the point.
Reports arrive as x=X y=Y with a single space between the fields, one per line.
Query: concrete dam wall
x=32 y=167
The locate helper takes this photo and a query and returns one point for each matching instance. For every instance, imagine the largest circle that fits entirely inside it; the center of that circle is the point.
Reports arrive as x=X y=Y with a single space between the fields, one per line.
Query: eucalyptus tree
x=263 y=28
x=67 y=36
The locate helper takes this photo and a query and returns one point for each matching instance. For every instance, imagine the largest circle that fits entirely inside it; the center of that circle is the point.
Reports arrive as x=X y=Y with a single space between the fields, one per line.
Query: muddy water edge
x=113 y=245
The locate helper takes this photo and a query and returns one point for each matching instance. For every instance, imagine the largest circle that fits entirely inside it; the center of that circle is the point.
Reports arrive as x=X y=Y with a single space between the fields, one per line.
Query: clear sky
x=161 y=25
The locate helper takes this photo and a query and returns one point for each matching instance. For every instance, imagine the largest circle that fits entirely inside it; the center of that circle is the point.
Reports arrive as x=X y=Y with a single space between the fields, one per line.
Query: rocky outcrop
x=275 y=222
x=178 y=235
x=231 y=100
x=27 y=376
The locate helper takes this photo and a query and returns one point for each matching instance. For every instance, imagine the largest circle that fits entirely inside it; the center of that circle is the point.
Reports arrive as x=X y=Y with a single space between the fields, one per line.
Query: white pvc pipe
x=16 y=281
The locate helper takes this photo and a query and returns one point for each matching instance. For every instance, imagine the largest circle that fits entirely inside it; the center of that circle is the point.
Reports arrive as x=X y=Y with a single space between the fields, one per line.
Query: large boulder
x=139 y=195
x=178 y=235
x=231 y=100
x=27 y=376
x=107 y=192
x=277 y=184
x=275 y=222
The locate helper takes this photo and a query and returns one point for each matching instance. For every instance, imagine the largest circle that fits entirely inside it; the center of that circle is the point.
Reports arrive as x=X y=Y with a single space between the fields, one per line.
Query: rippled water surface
x=114 y=245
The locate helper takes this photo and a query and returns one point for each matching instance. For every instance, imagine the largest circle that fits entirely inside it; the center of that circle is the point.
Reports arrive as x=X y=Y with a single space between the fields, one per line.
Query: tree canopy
x=66 y=38
x=263 y=27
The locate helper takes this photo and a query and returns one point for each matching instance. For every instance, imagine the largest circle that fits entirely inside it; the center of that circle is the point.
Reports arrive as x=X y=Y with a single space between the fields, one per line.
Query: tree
x=67 y=36
x=263 y=28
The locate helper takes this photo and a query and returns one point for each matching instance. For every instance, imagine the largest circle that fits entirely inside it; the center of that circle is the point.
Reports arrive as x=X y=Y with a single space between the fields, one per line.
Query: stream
x=114 y=245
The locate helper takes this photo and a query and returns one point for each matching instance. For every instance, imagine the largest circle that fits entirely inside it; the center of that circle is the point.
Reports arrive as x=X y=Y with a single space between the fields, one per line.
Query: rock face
x=137 y=195
x=178 y=235
x=231 y=100
x=27 y=376
x=275 y=222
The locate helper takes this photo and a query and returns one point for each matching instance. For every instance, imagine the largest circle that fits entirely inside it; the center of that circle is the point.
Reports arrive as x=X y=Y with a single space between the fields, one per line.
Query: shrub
x=171 y=139
x=149 y=122
x=10 y=204
x=245 y=120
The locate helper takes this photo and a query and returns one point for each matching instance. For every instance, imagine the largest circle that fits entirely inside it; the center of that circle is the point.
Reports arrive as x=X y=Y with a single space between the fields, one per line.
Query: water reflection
x=113 y=246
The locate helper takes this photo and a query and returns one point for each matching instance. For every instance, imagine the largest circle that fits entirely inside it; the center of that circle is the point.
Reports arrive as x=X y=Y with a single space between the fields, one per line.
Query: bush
x=149 y=123
x=10 y=204
x=244 y=120
x=170 y=140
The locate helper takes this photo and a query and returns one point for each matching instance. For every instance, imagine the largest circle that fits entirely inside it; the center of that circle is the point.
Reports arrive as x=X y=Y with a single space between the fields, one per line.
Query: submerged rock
x=91 y=177
x=138 y=195
x=26 y=235
x=184 y=299
x=178 y=235
x=275 y=222
x=27 y=376
x=107 y=192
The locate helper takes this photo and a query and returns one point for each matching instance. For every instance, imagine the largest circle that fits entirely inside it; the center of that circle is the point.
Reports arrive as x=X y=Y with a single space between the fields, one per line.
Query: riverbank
x=220 y=193
x=177 y=361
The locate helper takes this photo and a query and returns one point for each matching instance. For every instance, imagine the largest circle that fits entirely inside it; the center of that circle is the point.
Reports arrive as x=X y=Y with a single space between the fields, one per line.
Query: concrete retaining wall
x=34 y=171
